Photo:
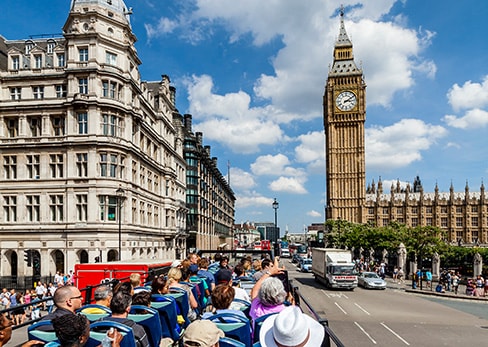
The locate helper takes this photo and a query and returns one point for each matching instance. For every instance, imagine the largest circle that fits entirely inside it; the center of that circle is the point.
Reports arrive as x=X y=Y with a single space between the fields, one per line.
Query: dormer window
x=28 y=47
x=15 y=62
x=50 y=47
x=38 y=61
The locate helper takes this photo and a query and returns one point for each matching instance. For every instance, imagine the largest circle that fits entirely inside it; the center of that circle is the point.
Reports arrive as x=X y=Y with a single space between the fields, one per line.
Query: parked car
x=306 y=265
x=371 y=280
x=285 y=253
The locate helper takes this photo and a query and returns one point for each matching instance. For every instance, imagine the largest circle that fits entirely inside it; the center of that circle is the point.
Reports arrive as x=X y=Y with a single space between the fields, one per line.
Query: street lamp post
x=120 y=198
x=276 y=205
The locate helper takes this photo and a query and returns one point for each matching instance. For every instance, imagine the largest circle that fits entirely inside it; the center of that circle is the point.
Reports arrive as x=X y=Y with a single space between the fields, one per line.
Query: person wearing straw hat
x=291 y=328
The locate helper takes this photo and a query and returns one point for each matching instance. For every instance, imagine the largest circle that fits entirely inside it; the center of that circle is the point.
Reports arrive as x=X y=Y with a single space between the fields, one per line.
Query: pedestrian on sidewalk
x=455 y=282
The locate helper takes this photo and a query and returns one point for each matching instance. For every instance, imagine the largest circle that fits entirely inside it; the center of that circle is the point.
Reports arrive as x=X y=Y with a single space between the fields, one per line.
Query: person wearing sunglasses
x=67 y=300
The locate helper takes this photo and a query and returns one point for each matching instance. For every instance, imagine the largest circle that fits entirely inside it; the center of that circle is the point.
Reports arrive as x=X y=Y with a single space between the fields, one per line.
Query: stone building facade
x=463 y=215
x=92 y=165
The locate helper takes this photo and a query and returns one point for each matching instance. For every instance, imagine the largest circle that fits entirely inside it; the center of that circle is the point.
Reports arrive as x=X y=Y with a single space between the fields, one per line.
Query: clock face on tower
x=346 y=101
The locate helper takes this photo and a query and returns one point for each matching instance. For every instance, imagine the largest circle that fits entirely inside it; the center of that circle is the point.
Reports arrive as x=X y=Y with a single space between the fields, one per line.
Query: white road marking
x=365 y=333
x=394 y=333
x=362 y=309
x=340 y=308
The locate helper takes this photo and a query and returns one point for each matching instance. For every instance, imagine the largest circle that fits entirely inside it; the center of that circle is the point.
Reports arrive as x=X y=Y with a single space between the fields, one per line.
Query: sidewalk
x=407 y=287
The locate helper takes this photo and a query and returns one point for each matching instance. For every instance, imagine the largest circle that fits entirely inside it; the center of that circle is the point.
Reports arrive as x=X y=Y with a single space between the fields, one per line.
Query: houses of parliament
x=462 y=215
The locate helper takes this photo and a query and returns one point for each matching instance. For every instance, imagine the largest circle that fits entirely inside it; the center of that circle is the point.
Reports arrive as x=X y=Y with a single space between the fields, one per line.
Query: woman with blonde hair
x=174 y=278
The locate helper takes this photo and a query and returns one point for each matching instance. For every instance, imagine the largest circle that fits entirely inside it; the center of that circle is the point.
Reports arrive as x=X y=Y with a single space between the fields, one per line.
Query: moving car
x=371 y=280
x=285 y=253
x=306 y=265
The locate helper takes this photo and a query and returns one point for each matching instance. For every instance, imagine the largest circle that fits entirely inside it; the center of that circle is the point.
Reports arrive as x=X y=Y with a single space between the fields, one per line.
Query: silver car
x=371 y=280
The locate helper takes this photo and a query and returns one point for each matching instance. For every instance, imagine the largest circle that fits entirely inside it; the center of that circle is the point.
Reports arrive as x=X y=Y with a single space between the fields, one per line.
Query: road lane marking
x=362 y=309
x=334 y=295
x=394 y=333
x=340 y=308
x=365 y=333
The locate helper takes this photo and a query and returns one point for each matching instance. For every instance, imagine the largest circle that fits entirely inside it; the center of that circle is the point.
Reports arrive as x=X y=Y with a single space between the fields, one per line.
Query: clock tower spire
x=344 y=117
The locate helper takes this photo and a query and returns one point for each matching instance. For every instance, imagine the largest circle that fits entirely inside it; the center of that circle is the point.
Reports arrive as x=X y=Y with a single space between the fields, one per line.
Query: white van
x=285 y=253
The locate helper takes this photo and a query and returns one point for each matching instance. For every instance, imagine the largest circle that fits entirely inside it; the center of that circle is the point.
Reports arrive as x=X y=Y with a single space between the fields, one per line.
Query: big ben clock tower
x=344 y=117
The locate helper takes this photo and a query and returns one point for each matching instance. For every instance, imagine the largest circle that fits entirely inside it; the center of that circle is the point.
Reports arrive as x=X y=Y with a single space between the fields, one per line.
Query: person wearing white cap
x=291 y=328
x=203 y=333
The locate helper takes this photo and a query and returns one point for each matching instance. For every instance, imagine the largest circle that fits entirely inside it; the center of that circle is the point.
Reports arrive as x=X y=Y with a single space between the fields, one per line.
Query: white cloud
x=241 y=180
x=229 y=119
x=314 y=214
x=252 y=199
x=473 y=119
x=292 y=185
x=469 y=96
x=311 y=150
x=270 y=165
x=400 y=144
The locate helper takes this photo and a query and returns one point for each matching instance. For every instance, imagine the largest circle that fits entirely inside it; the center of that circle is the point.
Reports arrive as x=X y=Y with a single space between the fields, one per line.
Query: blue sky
x=252 y=74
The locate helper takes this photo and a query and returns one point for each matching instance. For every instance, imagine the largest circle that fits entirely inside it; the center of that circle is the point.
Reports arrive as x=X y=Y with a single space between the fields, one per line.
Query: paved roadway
x=395 y=317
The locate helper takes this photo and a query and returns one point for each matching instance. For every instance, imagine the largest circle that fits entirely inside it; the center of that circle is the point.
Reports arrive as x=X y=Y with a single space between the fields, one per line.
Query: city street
x=394 y=317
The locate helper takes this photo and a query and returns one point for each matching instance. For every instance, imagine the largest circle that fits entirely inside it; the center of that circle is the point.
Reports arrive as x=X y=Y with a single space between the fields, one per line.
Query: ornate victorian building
x=463 y=215
x=92 y=165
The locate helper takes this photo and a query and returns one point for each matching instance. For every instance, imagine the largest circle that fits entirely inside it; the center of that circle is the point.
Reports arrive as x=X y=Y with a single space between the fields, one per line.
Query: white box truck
x=334 y=268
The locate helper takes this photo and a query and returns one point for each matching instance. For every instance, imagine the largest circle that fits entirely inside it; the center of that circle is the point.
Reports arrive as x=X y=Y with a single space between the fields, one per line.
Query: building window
x=50 y=47
x=10 y=167
x=428 y=221
x=33 y=166
x=56 y=207
x=111 y=58
x=82 y=207
x=109 y=90
x=444 y=209
x=38 y=92
x=111 y=165
x=61 y=60
x=56 y=165
x=82 y=123
x=10 y=208
x=399 y=210
x=474 y=221
x=15 y=93
x=82 y=164
x=83 y=54
x=428 y=209
x=459 y=222
x=385 y=210
x=111 y=125
x=38 y=61
x=459 y=209
x=35 y=126
x=385 y=222
x=83 y=85
x=61 y=91
x=28 y=47
x=15 y=62
x=12 y=127
x=33 y=208
x=414 y=210
x=415 y=222
x=370 y=210
x=58 y=126
x=474 y=209
x=444 y=222
x=108 y=208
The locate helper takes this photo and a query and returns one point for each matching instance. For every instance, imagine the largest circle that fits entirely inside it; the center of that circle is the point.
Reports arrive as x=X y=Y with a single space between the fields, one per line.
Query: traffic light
x=28 y=257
